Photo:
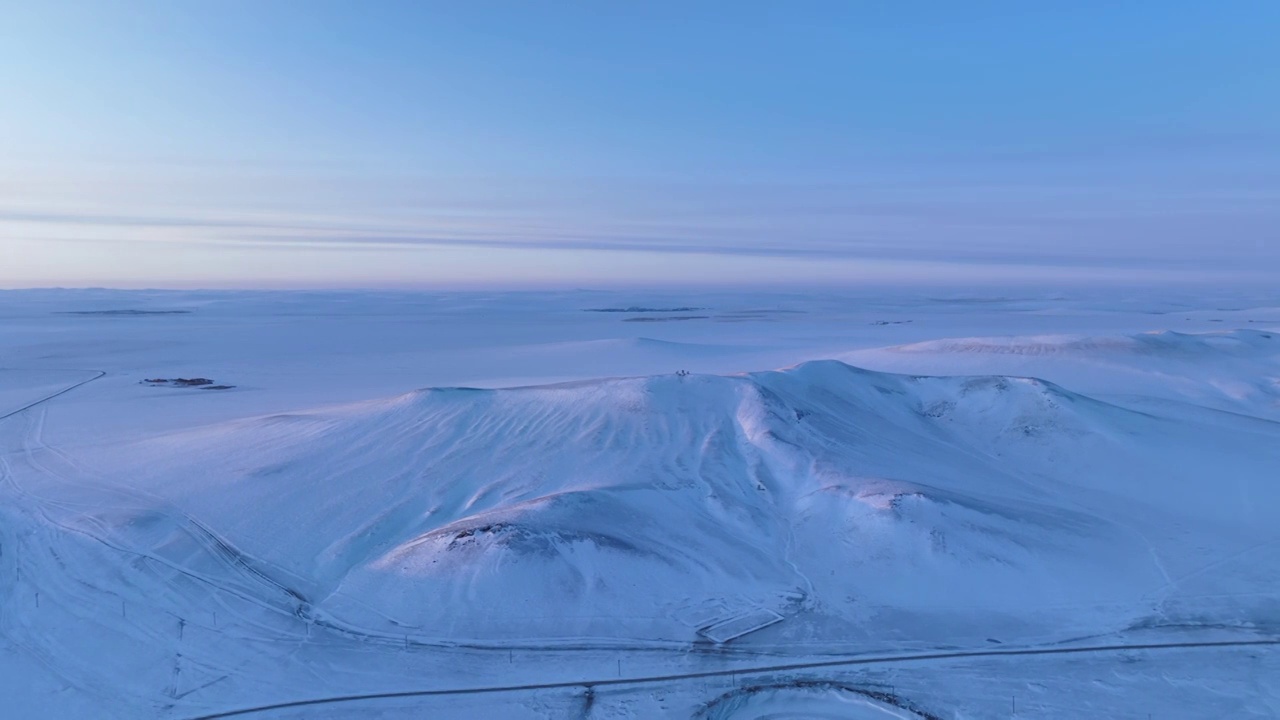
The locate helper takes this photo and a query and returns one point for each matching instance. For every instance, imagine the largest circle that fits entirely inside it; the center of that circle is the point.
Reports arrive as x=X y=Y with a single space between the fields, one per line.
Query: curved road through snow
x=746 y=671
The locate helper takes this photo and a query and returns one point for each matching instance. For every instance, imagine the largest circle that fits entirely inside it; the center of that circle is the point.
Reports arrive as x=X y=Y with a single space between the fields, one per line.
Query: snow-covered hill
x=173 y=552
x=844 y=500
x=1235 y=370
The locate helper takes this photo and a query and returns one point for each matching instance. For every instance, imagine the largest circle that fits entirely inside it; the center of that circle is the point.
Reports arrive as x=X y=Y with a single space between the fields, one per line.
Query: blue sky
x=426 y=144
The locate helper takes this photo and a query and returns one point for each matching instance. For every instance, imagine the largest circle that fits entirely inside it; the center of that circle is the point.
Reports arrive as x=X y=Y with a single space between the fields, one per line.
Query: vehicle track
x=744 y=671
x=100 y=374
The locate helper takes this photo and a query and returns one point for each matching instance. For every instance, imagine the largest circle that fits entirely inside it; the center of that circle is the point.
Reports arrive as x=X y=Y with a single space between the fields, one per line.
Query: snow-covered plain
x=658 y=504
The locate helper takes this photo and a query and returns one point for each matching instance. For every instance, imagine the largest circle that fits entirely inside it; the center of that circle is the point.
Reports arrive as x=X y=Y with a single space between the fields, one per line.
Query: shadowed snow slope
x=866 y=504
x=1236 y=370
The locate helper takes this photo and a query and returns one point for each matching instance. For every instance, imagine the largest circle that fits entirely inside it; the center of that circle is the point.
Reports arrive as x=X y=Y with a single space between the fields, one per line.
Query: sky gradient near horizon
x=422 y=144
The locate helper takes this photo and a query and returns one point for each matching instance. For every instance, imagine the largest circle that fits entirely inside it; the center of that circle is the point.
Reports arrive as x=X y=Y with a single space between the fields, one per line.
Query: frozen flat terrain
x=630 y=505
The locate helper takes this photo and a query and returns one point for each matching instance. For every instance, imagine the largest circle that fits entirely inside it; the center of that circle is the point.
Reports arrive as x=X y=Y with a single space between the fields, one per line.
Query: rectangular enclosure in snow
x=736 y=627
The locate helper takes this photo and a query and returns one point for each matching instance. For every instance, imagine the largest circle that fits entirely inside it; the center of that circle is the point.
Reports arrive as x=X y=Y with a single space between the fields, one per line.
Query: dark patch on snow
x=124 y=313
x=668 y=318
x=643 y=310
x=530 y=541
x=766 y=315
x=202 y=383
x=878 y=694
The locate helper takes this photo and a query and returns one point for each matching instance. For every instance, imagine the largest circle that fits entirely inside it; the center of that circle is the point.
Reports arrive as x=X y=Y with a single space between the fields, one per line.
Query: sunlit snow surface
x=393 y=493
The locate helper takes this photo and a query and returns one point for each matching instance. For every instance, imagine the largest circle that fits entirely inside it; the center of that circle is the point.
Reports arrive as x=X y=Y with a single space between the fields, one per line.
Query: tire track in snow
x=101 y=374
x=7 y=479
x=202 y=534
x=32 y=443
x=757 y=670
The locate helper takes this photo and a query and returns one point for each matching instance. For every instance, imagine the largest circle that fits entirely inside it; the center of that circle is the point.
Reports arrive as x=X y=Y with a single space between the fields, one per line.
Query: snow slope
x=644 y=508
x=1233 y=370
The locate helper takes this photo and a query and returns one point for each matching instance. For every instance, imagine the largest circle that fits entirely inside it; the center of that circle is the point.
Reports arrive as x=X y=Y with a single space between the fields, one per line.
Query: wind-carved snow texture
x=847 y=501
x=648 y=521
x=1232 y=370
x=825 y=493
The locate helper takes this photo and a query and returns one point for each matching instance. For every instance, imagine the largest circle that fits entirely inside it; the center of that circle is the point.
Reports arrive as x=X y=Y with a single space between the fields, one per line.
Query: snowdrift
x=1237 y=370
